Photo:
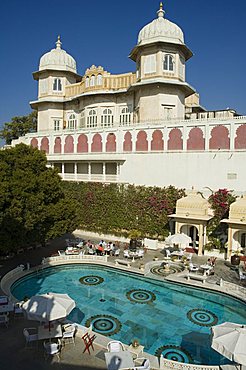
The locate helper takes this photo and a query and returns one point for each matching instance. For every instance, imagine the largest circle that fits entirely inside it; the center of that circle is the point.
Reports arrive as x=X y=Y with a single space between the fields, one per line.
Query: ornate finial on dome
x=161 y=12
x=58 y=43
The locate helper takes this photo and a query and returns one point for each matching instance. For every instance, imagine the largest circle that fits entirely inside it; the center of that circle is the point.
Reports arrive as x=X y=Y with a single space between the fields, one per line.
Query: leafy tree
x=33 y=205
x=19 y=126
x=220 y=202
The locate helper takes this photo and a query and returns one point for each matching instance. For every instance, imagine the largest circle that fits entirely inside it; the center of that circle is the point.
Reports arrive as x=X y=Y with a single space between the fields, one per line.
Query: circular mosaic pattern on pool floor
x=91 y=280
x=202 y=317
x=140 y=296
x=174 y=353
x=104 y=324
x=162 y=271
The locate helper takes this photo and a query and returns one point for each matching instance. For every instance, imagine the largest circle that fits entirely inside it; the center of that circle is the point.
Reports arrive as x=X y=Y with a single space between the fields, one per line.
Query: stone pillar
x=229 y=249
x=89 y=171
x=75 y=170
x=200 y=246
x=63 y=170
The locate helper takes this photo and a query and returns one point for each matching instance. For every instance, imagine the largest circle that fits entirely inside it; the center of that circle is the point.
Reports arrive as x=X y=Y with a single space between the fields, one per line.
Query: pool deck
x=13 y=353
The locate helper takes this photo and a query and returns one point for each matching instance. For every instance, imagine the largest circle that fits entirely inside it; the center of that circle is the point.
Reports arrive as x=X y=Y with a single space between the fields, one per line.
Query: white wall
x=186 y=169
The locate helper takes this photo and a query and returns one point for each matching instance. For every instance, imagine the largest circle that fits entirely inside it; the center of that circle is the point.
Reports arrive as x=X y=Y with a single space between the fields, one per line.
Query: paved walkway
x=13 y=353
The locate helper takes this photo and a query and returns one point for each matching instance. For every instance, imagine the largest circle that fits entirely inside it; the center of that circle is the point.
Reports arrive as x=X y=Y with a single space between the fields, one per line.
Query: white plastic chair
x=52 y=349
x=140 y=253
x=18 y=310
x=126 y=254
x=31 y=335
x=4 y=320
x=115 y=346
x=68 y=335
x=168 y=255
x=117 y=252
x=144 y=366
x=242 y=276
x=193 y=268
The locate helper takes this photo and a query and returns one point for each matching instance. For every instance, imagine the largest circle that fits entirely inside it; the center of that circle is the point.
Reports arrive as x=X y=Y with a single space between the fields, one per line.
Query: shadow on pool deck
x=15 y=356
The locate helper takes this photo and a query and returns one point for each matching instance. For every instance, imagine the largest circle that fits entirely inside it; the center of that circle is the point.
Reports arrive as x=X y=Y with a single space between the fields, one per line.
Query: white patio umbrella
x=180 y=239
x=48 y=307
x=229 y=340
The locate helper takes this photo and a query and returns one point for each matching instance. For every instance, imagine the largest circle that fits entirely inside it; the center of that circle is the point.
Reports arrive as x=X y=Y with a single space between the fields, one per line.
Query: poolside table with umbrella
x=229 y=340
x=46 y=308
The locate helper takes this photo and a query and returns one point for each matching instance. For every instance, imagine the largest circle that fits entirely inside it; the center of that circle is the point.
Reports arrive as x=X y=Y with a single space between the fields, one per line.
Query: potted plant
x=235 y=258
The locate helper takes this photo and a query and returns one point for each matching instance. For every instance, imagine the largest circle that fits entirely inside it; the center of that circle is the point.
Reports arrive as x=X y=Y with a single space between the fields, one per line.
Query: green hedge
x=121 y=209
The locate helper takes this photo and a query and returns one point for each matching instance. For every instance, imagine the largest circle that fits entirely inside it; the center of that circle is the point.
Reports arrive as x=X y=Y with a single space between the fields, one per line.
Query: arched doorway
x=192 y=232
x=239 y=239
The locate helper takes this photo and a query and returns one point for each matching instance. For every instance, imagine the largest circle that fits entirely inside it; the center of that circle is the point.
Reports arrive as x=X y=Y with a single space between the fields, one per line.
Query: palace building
x=144 y=127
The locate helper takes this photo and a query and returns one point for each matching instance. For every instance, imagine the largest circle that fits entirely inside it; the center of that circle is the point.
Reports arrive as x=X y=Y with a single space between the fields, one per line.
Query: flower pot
x=235 y=260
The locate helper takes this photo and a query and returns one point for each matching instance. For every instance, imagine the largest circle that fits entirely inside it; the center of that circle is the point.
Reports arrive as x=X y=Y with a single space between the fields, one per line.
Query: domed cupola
x=161 y=29
x=57 y=59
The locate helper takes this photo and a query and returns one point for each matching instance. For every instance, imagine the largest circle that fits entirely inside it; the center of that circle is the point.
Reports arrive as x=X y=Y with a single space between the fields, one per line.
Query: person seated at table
x=244 y=265
x=100 y=250
x=108 y=249
x=91 y=249
x=213 y=260
x=113 y=249
x=209 y=262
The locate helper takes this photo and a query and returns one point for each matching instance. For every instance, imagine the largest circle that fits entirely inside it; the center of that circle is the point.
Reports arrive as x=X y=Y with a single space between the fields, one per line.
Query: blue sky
x=104 y=32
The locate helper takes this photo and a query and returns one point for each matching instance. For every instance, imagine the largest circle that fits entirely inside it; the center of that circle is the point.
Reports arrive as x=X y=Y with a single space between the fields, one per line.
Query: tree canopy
x=19 y=126
x=33 y=205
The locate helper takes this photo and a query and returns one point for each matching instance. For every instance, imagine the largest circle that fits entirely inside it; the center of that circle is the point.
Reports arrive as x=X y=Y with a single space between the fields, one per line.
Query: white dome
x=161 y=29
x=57 y=59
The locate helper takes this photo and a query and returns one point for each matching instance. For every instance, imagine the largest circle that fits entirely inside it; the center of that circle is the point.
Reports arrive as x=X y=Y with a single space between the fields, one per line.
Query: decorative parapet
x=107 y=82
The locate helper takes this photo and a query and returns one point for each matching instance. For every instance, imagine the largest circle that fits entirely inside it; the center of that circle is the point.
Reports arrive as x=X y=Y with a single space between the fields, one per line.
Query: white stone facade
x=144 y=127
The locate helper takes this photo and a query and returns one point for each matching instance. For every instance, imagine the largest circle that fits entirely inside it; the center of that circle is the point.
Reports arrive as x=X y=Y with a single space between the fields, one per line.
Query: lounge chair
x=115 y=346
x=31 y=335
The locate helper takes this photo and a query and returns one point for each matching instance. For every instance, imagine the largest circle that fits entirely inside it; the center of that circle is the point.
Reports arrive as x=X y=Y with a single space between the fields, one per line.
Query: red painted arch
x=175 y=141
x=240 y=139
x=45 y=145
x=69 y=144
x=127 y=144
x=57 y=145
x=157 y=142
x=82 y=146
x=111 y=143
x=96 y=145
x=142 y=143
x=219 y=138
x=196 y=140
x=34 y=142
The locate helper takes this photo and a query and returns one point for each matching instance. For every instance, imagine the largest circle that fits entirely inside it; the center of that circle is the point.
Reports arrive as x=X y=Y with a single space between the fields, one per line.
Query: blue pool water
x=166 y=318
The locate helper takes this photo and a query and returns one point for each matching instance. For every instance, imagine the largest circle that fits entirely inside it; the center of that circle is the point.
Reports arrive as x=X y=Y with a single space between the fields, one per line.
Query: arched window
x=57 y=85
x=125 y=116
x=72 y=122
x=87 y=81
x=168 y=63
x=107 y=118
x=82 y=119
x=92 y=80
x=92 y=118
x=99 y=79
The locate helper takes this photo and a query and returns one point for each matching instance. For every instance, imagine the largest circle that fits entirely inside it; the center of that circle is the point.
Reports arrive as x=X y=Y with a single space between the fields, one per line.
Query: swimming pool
x=166 y=318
